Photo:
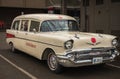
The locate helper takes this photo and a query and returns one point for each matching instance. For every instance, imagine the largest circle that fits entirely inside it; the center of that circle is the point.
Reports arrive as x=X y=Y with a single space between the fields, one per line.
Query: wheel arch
x=46 y=52
x=10 y=43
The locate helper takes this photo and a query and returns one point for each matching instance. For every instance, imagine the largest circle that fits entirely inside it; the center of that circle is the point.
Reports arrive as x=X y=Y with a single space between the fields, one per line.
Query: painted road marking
x=114 y=66
x=22 y=70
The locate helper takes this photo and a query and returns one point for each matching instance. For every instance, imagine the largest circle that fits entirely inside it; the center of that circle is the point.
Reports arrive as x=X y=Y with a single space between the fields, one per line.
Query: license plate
x=97 y=60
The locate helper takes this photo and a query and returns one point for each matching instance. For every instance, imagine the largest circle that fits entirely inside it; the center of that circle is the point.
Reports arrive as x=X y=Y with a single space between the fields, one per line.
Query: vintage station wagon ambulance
x=57 y=39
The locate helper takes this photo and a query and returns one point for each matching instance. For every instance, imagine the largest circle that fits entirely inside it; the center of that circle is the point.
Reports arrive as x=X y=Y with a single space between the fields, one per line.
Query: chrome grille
x=95 y=52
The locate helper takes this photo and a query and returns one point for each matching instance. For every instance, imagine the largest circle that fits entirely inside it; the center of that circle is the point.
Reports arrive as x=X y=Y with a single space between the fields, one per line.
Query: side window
x=45 y=27
x=34 y=25
x=24 y=25
x=15 y=25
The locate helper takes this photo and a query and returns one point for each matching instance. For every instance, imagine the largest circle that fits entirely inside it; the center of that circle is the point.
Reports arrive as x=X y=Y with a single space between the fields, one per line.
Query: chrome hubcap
x=12 y=47
x=52 y=61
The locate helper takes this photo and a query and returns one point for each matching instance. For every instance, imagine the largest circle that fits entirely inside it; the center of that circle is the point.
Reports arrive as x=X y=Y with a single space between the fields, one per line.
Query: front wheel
x=53 y=63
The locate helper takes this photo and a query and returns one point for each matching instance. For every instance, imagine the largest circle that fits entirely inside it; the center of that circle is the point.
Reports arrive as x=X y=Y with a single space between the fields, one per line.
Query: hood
x=78 y=35
x=82 y=40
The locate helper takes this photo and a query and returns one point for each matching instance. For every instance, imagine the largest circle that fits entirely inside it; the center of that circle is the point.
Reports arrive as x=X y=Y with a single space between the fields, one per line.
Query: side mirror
x=34 y=30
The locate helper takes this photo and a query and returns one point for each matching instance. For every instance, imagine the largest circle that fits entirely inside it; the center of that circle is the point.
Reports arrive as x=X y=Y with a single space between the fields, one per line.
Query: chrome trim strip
x=38 y=42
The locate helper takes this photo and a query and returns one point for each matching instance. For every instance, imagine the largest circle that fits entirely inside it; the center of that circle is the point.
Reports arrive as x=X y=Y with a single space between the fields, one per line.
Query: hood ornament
x=93 y=42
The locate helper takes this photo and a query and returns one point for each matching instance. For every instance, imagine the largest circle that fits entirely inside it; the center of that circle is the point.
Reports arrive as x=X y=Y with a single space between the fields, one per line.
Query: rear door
x=32 y=42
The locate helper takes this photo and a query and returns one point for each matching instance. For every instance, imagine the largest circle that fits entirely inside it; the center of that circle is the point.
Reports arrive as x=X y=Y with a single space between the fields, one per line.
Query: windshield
x=59 y=25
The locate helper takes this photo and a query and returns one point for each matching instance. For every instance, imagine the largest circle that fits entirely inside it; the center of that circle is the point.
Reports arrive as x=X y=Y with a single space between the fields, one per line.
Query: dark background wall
x=7 y=14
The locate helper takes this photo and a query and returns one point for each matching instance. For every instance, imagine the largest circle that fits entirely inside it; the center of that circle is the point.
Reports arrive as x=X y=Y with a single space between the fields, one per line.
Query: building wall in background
x=12 y=3
x=23 y=3
x=103 y=17
x=12 y=8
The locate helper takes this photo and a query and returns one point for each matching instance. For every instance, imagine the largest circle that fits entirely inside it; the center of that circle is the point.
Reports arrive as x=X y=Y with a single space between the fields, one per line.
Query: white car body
x=87 y=49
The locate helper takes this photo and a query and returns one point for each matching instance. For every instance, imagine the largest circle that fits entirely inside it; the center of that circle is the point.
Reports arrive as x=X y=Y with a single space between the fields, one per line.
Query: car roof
x=45 y=17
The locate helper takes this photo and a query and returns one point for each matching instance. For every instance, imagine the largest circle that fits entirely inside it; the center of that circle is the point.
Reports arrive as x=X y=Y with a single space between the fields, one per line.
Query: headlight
x=68 y=44
x=114 y=42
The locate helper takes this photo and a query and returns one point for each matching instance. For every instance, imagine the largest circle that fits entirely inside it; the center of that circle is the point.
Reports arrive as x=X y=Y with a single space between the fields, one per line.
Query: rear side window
x=16 y=25
x=34 y=26
x=24 y=25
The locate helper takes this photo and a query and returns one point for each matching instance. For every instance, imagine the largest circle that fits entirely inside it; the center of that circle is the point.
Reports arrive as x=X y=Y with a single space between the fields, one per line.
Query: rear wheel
x=12 y=48
x=53 y=63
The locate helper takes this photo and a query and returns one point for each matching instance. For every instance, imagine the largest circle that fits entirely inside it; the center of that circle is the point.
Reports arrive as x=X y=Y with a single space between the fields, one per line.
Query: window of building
x=24 y=25
x=34 y=26
x=86 y=2
x=99 y=2
x=115 y=1
x=16 y=25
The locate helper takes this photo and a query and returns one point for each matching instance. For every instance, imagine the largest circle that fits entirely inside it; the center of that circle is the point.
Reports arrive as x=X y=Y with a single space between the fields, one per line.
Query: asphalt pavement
x=22 y=66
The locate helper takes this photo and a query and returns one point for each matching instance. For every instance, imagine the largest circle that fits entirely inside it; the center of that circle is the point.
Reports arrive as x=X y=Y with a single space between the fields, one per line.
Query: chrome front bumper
x=85 y=57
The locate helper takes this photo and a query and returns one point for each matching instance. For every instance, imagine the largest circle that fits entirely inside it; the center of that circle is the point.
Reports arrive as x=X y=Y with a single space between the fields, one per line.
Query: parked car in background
x=57 y=39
